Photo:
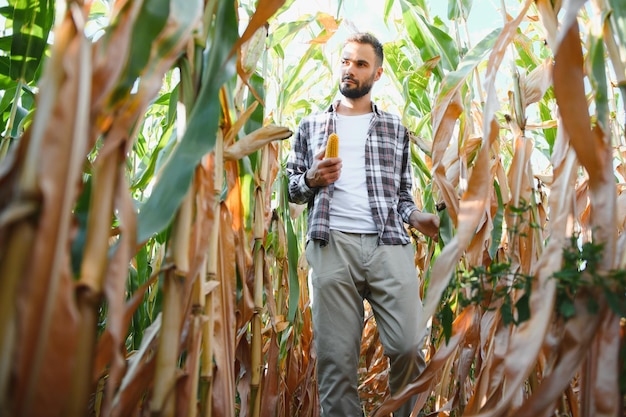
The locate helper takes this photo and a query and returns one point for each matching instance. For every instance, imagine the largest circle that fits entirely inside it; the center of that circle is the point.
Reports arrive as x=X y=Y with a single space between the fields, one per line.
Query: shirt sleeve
x=406 y=204
x=297 y=165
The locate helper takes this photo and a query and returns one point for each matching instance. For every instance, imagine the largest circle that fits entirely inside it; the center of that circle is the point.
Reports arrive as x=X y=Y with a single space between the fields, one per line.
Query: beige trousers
x=351 y=268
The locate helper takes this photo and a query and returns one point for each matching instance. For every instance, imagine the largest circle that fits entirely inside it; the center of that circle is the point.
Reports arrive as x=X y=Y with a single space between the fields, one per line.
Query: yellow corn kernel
x=332 y=146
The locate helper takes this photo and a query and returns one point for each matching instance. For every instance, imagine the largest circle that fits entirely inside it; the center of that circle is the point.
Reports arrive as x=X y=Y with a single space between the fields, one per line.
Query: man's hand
x=426 y=223
x=323 y=171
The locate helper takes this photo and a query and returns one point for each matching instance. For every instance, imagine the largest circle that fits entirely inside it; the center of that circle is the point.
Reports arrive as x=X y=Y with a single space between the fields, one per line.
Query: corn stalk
x=104 y=189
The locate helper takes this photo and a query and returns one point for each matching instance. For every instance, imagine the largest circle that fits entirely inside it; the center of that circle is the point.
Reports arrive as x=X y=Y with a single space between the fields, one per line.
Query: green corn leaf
x=199 y=138
x=256 y=119
x=506 y=311
x=150 y=166
x=419 y=36
x=459 y=9
x=618 y=19
x=151 y=21
x=8 y=96
x=292 y=255
x=598 y=79
x=388 y=8
x=5 y=79
x=498 y=221
x=416 y=86
x=445 y=44
x=81 y=214
x=422 y=168
x=430 y=40
x=545 y=112
x=523 y=308
x=616 y=301
x=474 y=57
x=418 y=5
x=286 y=32
x=447 y=319
x=567 y=309
x=30 y=22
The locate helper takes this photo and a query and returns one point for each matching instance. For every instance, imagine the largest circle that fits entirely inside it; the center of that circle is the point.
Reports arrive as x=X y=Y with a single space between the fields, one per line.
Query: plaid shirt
x=387 y=166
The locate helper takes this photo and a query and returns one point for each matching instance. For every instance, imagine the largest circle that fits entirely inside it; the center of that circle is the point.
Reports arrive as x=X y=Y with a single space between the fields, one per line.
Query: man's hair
x=369 y=39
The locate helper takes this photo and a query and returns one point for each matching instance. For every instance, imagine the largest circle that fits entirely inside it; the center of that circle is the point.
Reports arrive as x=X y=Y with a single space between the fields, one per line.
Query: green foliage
x=581 y=269
x=176 y=176
x=430 y=40
x=493 y=287
x=498 y=222
x=618 y=14
x=81 y=213
x=465 y=68
x=27 y=25
x=459 y=9
x=154 y=15
x=146 y=312
x=30 y=22
x=293 y=251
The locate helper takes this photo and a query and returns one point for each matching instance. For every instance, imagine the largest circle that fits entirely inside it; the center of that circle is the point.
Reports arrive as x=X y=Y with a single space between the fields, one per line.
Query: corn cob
x=332 y=146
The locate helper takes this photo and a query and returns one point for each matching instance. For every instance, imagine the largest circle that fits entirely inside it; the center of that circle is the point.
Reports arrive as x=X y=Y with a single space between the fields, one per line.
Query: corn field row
x=150 y=263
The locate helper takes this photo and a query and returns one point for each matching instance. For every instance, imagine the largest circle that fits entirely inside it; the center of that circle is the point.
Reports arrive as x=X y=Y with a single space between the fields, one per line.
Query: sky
x=368 y=15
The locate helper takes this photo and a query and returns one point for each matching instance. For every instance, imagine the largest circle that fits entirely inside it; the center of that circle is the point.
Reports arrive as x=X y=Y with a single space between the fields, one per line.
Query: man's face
x=359 y=70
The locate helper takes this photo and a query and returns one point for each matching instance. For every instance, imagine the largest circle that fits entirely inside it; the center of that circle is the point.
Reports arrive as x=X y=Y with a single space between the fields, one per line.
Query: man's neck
x=355 y=107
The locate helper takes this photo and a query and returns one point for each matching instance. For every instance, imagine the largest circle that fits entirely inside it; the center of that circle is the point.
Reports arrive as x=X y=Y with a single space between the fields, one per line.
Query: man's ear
x=379 y=73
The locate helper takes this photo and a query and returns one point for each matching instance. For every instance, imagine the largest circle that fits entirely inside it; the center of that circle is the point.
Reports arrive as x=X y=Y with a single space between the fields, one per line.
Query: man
x=357 y=244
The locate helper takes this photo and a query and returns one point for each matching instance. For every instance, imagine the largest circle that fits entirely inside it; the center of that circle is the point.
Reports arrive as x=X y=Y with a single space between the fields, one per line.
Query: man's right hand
x=323 y=171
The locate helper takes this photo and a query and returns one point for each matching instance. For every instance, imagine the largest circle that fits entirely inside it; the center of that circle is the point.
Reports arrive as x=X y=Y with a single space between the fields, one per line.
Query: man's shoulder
x=391 y=119
x=319 y=114
x=386 y=115
x=316 y=117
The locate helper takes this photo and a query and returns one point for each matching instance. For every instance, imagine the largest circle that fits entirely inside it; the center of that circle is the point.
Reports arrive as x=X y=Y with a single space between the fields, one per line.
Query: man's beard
x=356 y=91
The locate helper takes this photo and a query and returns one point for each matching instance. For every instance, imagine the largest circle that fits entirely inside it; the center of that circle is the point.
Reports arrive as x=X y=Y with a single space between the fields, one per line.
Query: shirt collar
x=333 y=107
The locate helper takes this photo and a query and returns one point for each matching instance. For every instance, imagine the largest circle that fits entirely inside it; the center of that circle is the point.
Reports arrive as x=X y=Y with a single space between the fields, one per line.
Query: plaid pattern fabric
x=387 y=166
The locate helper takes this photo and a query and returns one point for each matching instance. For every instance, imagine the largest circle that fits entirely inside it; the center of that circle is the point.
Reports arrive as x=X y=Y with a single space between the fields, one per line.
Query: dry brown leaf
x=265 y=9
x=547 y=16
x=472 y=209
x=535 y=84
x=465 y=323
x=476 y=253
x=105 y=343
x=578 y=335
x=225 y=330
x=445 y=115
x=271 y=379
x=604 y=358
x=520 y=173
x=569 y=91
x=569 y=19
x=621 y=212
x=57 y=144
x=231 y=130
x=527 y=338
x=330 y=27
x=255 y=141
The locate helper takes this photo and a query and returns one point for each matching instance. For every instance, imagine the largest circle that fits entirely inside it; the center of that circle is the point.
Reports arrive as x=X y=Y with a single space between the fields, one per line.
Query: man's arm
x=299 y=191
x=426 y=223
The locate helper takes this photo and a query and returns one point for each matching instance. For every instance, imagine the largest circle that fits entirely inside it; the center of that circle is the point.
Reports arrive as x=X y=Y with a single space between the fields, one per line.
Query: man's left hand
x=426 y=223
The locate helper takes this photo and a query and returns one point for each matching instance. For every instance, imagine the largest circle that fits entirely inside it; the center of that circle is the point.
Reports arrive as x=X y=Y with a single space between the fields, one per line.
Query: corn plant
x=150 y=261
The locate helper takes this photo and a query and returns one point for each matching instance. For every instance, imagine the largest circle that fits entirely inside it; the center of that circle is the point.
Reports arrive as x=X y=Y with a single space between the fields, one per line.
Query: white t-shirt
x=350 y=209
